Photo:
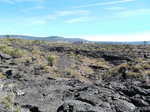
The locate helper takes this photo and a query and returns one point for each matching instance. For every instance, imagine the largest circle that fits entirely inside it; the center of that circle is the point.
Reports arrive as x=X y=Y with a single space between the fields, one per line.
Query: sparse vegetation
x=46 y=71
x=15 y=52
x=51 y=60
x=30 y=51
x=8 y=100
x=2 y=76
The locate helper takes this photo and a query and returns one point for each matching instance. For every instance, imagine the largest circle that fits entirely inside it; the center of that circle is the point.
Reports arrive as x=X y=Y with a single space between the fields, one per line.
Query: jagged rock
x=124 y=106
x=9 y=73
x=30 y=108
x=37 y=91
x=77 y=106
x=143 y=109
x=4 y=56
x=139 y=102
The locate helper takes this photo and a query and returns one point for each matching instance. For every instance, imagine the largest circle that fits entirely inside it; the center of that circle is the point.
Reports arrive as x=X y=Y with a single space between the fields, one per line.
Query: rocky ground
x=37 y=76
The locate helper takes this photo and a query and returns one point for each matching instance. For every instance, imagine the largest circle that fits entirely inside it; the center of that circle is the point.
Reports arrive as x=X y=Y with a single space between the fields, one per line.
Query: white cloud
x=115 y=8
x=7 y=1
x=104 y=3
x=67 y=13
x=37 y=7
x=135 y=12
x=38 y=22
x=16 y=1
x=44 y=19
x=77 y=20
x=116 y=38
x=72 y=12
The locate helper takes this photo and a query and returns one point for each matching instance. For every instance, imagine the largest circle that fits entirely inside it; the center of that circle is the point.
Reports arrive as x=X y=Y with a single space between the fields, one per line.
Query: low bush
x=51 y=60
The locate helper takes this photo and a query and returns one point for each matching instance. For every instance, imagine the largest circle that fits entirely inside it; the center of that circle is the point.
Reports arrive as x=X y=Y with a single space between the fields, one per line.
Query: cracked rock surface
x=27 y=88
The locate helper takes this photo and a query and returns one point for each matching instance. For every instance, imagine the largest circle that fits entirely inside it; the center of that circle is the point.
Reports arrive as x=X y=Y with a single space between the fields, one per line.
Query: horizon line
x=134 y=37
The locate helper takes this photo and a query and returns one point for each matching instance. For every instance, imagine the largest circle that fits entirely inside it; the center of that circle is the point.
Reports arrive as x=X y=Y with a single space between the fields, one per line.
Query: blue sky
x=117 y=20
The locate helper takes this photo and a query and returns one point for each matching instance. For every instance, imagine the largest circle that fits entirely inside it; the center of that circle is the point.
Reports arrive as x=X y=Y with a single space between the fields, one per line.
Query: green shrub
x=17 y=53
x=11 y=51
x=51 y=60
